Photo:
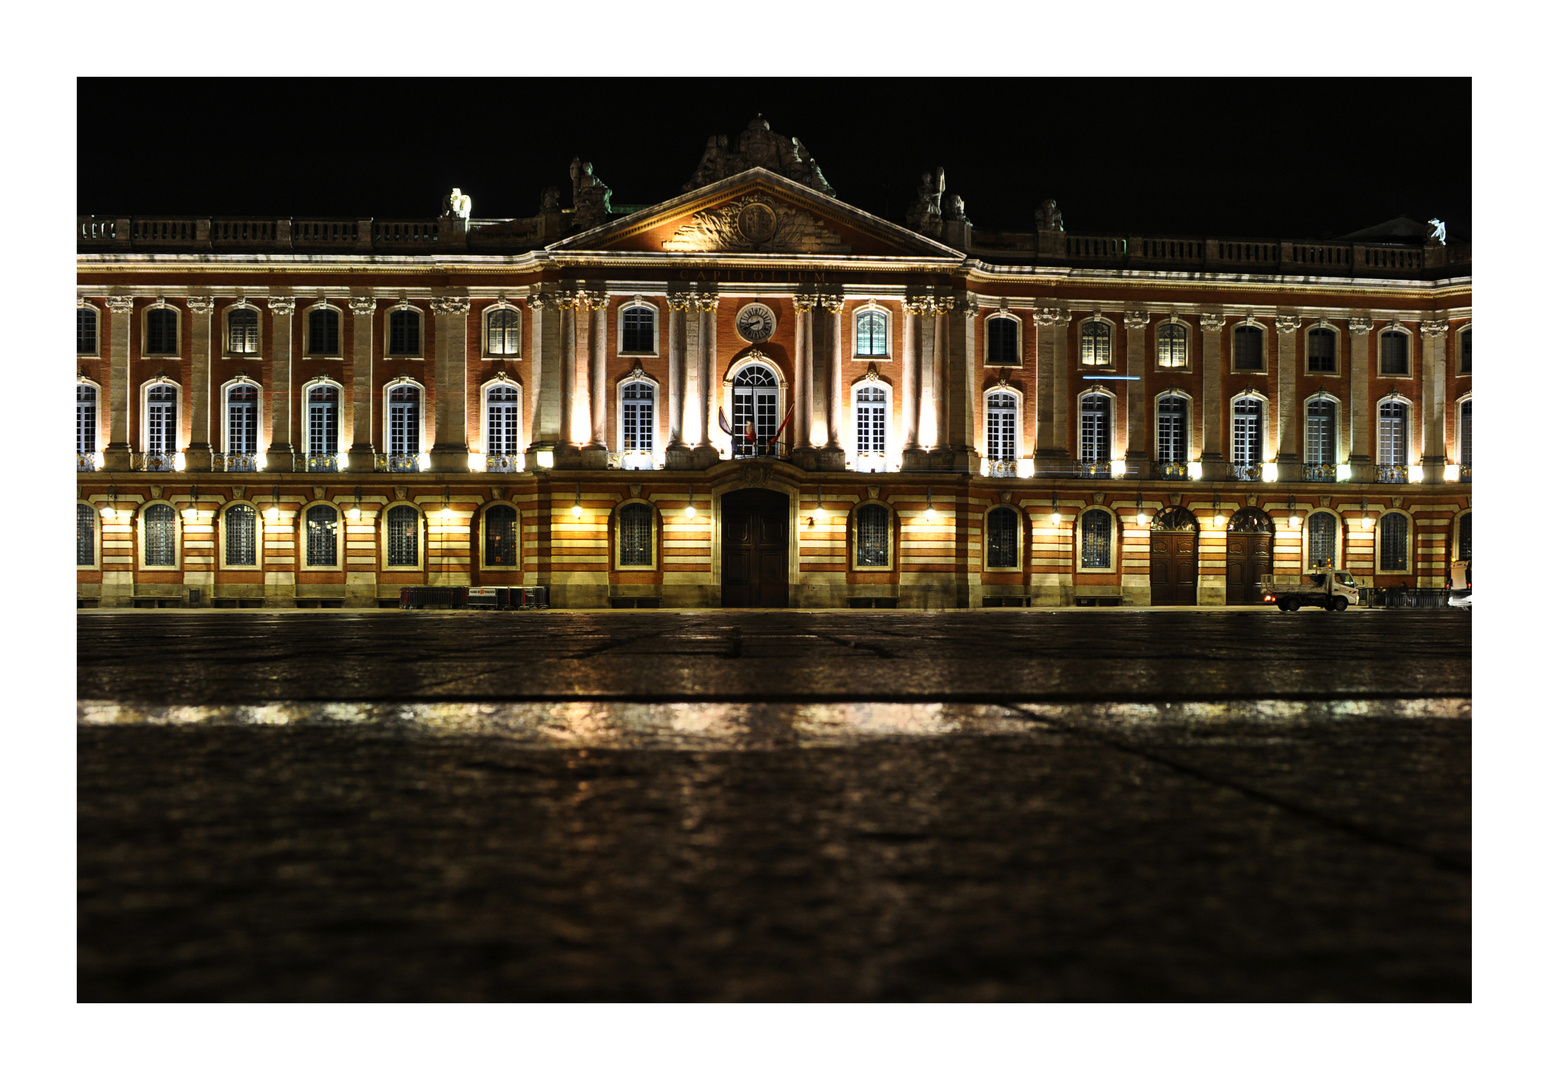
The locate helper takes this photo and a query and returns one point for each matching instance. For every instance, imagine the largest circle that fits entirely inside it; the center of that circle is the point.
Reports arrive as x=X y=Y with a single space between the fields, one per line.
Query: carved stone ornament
x=1393 y=323
x=401 y=494
x=282 y=305
x=498 y=492
x=1136 y=320
x=1212 y=321
x=449 y=305
x=871 y=375
x=1433 y=329
x=120 y=305
x=756 y=472
x=832 y=301
x=915 y=305
x=1098 y=497
x=1359 y=324
x=682 y=301
x=804 y=301
x=753 y=356
x=1003 y=380
x=1005 y=497
x=635 y=490
x=1287 y=324
x=156 y=490
x=238 y=492
x=1051 y=316
x=1325 y=501
x=872 y=491
x=636 y=372
x=709 y=302
x=362 y=305
x=756 y=224
x=201 y=305
x=1398 y=502
x=1174 y=497
x=1253 y=500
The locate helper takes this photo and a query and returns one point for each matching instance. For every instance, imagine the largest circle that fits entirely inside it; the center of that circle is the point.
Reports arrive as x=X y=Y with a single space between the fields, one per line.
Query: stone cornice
x=282 y=305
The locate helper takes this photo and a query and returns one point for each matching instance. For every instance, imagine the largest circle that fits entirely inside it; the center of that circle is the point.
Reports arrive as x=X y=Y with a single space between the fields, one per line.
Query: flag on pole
x=788 y=414
x=721 y=415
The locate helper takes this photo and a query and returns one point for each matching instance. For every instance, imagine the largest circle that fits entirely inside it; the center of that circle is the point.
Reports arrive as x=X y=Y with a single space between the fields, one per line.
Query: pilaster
x=282 y=452
x=594 y=455
x=1286 y=454
x=705 y=454
x=449 y=452
x=566 y=303
x=1433 y=412
x=914 y=306
x=831 y=457
x=545 y=375
x=1137 y=456
x=1361 y=471
x=197 y=458
x=115 y=455
x=1213 y=464
x=1051 y=449
x=362 y=452
x=801 y=383
x=677 y=376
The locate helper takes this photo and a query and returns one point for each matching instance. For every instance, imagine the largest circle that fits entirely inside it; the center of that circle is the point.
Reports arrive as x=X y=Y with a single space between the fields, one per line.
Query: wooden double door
x=1175 y=567
x=1249 y=557
x=755 y=548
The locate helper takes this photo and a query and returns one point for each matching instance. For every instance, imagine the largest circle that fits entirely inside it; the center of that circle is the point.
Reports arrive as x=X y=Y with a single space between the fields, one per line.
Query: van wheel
x=1282 y=605
x=1292 y=605
x=1340 y=603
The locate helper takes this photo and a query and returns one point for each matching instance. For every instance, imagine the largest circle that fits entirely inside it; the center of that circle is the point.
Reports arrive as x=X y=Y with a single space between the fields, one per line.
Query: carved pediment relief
x=756 y=223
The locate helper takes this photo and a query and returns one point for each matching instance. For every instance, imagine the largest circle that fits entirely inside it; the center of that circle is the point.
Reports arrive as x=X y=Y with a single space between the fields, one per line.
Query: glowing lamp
x=1271 y=472
x=545 y=459
x=1055 y=517
x=1116 y=467
x=1366 y=523
x=1342 y=472
x=272 y=514
x=423 y=461
x=1196 y=470
x=355 y=513
x=1416 y=474
x=179 y=462
x=476 y=462
x=107 y=513
x=1295 y=522
x=1220 y=520
x=1451 y=473
x=1140 y=518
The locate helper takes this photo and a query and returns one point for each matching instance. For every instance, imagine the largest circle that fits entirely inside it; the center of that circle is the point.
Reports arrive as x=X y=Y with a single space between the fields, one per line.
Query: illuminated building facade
x=756 y=394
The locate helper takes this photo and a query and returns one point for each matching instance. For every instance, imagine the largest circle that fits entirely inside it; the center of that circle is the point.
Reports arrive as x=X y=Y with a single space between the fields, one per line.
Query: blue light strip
x=1113 y=378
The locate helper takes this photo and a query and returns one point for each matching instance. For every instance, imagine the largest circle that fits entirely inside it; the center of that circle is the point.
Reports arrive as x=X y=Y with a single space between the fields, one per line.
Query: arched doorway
x=1250 y=543
x=1175 y=558
x=755 y=531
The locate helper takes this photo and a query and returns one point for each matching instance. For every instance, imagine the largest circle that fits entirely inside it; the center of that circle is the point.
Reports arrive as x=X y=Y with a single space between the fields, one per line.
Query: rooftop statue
x=1049 y=217
x=591 y=197
x=1438 y=231
x=758 y=147
x=456 y=204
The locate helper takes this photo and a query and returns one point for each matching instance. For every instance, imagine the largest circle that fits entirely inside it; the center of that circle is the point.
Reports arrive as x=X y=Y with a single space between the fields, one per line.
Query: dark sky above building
x=1273 y=158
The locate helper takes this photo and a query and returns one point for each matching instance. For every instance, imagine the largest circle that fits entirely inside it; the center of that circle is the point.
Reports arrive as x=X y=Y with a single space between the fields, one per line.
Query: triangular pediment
x=756 y=212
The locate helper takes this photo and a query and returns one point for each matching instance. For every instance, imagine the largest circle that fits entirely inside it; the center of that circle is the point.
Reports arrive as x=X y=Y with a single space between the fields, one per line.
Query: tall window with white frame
x=1001 y=346
x=502 y=426
x=1466 y=437
x=242 y=332
x=639 y=421
x=323 y=331
x=872 y=535
x=1319 y=448
x=403 y=428
x=1394 y=556
x=86 y=331
x=85 y=426
x=1000 y=538
x=1466 y=352
x=242 y=428
x=1322 y=538
x=754 y=396
x=1000 y=433
x=1172 y=435
x=1322 y=350
x=1392 y=442
x=1172 y=345
x=636 y=542
x=160 y=535
x=403 y=332
x=1247 y=348
x=322 y=523
x=871 y=333
x=1096 y=434
x=1247 y=437
x=1096 y=540
x=403 y=537
x=870 y=428
x=503 y=333
x=85 y=535
x=1393 y=353
x=160 y=427
x=639 y=332
x=241 y=535
x=322 y=429
x=1096 y=344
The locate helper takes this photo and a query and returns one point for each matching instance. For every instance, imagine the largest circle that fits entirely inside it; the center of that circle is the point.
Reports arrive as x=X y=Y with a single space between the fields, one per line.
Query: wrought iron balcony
x=85 y=462
x=322 y=463
x=1094 y=468
x=1466 y=474
x=234 y=462
x=1319 y=474
x=1173 y=470
x=1000 y=468
x=153 y=462
x=1392 y=474
x=397 y=463
x=506 y=463
x=1248 y=472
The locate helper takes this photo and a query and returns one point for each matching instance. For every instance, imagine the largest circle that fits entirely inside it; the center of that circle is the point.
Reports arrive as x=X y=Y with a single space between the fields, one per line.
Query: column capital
x=592 y=298
x=805 y=301
x=831 y=301
x=1359 y=324
x=682 y=301
x=942 y=305
x=1433 y=329
x=565 y=301
x=914 y=305
x=709 y=302
x=1212 y=321
x=448 y=305
x=1288 y=324
x=280 y=305
x=120 y=305
x=201 y=305
x=362 y=305
x=1137 y=320
x=1051 y=316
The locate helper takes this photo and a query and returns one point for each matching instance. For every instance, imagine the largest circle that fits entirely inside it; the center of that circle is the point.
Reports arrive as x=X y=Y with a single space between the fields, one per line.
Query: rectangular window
x=242 y=420
x=1249 y=351
x=322 y=421
x=1096 y=345
x=1247 y=432
x=1171 y=437
x=871 y=536
x=1320 y=433
x=635 y=548
x=403 y=536
x=1000 y=538
x=870 y=421
x=85 y=330
x=1322 y=532
x=1002 y=348
x=323 y=331
x=871 y=333
x=1395 y=544
x=1321 y=355
x=322 y=536
x=85 y=535
x=1094 y=428
x=639 y=418
x=161 y=420
x=242 y=332
x=1096 y=541
x=1000 y=428
x=1394 y=348
x=403 y=338
x=1393 y=434
x=241 y=536
x=1172 y=345
x=639 y=330
x=160 y=523
x=161 y=331
x=403 y=423
x=1466 y=352
x=85 y=419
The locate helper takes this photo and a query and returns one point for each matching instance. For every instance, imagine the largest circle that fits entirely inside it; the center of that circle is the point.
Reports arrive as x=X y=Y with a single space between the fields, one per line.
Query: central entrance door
x=1175 y=558
x=755 y=531
x=1250 y=541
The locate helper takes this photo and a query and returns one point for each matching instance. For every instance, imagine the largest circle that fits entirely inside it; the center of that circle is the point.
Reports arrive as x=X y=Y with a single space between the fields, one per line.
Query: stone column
x=449 y=452
x=1360 y=400
x=1433 y=421
x=941 y=310
x=1043 y=382
x=362 y=452
x=115 y=456
x=962 y=387
x=594 y=455
x=705 y=453
x=281 y=452
x=801 y=383
x=566 y=302
x=1287 y=457
x=198 y=457
x=1137 y=456
x=1214 y=465
x=913 y=307
x=677 y=376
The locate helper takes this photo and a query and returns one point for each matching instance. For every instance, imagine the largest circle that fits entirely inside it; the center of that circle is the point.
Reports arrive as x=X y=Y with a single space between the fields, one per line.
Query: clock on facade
x=756 y=323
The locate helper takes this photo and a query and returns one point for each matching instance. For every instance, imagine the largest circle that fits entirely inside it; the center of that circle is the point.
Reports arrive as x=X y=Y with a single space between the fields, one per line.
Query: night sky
x=1271 y=158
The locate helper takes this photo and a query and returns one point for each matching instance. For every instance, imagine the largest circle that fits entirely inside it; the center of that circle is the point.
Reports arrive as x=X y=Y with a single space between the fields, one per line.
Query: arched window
x=873 y=536
x=502 y=420
x=871 y=421
x=871 y=333
x=241 y=522
x=85 y=421
x=1000 y=427
x=322 y=428
x=1393 y=351
x=1466 y=433
x=1394 y=543
x=322 y=540
x=638 y=417
x=1172 y=345
x=241 y=427
x=1320 y=448
x=242 y=332
x=403 y=536
x=1392 y=435
x=161 y=424
x=636 y=538
x=638 y=334
x=1322 y=350
x=1172 y=431
x=85 y=331
x=503 y=332
x=754 y=401
x=323 y=331
x=1002 y=347
x=1000 y=538
x=160 y=535
x=403 y=332
x=1096 y=430
x=85 y=535
x=500 y=538
x=403 y=420
x=1096 y=540
x=1247 y=433
x=1466 y=352
x=1322 y=539
x=1247 y=348
x=161 y=331
x=1096 y=344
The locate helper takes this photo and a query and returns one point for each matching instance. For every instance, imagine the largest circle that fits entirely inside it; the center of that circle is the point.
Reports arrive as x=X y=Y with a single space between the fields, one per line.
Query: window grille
x=1002 y=345
x=322 y=536
x=871 y=333
x=1322 y=535
x=403 y=536
x=85 y=330
x=85 y=535
x=635 y=543
x=503 y=420
x=161 y=330
x=1096 y=344
x=1466 y=434
x=241 y=536
x=1247 y=431
x=504 y=333
x=1395 y=544
x=1096 y=540
x=161 y=420
x=85 y=419
x=1321 y=350
x=1172 y=443
x=242 y=420
x=1394 y=349
x=500 y=547
x=323 y=331
x=403 y=333
x=870 y=420
x=639 y=417
x=639 y=330
x=242 y=331
x=322 y=420
x=1320 y=433
x=753 y=401
x=1393 y=434
x=1249 y=350
x=403 y=420
x=1465 y=352
x=1466 y=537
x=872 y=535
x=1172 y=345
x=1000 y=427
x=1095 y=428
x=160 y=535
x=1000 y=538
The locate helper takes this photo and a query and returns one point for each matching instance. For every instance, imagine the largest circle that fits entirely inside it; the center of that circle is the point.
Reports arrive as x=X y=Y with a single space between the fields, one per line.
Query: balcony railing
x=322 y=463
x=234 y=462
x=506 y=463
x=1392 y=474
x=742 y=448
x=1248 y=472
x=1319 y=474
x=397 y=463
x=1466 y=474
x=85 y=462
x=1172 y=470
x=1000 y=468
x=153 y=462
x=1094 y=468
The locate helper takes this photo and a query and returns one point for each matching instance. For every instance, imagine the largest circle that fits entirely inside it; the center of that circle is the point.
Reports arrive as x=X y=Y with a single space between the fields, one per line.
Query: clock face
x=756 y=323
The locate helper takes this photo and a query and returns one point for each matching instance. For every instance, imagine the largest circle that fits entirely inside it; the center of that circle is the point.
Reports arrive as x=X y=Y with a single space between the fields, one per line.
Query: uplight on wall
x=424 y=461
x=545 y=459
x=1196 y=470
x=1451 y=473
x=179 y=461
x=1116 y=468
x=1416 y=474
x=1271 y=472
x=476 y=462
x=1342 y=472
x=261 y=461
